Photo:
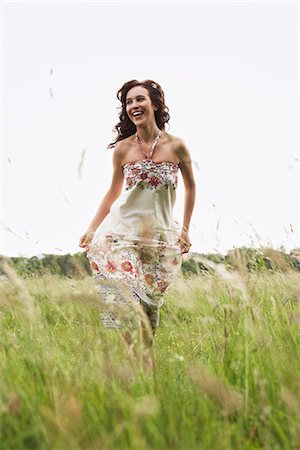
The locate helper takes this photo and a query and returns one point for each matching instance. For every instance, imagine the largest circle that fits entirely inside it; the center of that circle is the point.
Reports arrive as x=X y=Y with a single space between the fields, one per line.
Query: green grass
x=225 y=376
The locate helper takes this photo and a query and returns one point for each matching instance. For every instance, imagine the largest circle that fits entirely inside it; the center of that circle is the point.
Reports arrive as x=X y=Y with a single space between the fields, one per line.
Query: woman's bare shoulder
x=124 y=144
x=171 y=138
x=119 y=150
x=178 y=145
x=176 y=141
x=181 y=151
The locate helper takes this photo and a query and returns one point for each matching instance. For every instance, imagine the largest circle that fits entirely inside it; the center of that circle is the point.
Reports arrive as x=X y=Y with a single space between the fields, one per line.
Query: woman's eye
x=140 y=99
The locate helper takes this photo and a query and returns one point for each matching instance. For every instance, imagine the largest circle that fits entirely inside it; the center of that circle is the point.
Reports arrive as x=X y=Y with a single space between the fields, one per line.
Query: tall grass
x=225 y=373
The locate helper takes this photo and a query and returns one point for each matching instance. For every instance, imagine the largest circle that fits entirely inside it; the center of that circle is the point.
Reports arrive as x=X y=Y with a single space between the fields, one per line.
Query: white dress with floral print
x=138 y=241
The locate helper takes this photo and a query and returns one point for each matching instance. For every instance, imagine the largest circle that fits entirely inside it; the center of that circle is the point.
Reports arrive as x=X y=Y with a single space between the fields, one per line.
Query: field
x=225 y=372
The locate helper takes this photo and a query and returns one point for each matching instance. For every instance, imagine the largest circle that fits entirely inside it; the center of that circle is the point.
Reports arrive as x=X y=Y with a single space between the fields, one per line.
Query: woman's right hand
x=86 y=238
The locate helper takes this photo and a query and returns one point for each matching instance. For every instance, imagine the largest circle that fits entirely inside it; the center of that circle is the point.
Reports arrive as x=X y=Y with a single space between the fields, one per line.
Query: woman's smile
x=138 y=116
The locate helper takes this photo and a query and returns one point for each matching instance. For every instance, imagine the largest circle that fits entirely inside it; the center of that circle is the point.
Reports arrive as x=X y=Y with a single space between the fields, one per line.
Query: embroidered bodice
x=151 y=174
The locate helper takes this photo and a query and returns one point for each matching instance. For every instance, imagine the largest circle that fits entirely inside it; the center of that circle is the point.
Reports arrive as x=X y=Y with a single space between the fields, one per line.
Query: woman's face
x=139 y=101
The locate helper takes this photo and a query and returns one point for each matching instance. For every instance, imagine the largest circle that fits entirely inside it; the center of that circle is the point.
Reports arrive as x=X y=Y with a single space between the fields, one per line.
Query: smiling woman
x=138 y=248
x=142 y=95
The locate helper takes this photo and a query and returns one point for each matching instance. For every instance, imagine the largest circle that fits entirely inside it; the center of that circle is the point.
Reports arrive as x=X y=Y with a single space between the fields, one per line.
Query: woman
x=138 y=249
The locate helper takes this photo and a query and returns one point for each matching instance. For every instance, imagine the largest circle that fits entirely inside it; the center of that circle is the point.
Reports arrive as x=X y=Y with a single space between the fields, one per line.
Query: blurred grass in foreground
x=225 y=376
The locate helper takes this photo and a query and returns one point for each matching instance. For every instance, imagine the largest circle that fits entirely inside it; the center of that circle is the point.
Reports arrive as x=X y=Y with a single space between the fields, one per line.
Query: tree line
x=78 y=265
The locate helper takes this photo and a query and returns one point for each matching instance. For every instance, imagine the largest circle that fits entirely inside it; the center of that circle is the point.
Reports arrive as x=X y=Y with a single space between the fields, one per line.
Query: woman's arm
x=114 y=191
x=112 y=194
x=185 y=166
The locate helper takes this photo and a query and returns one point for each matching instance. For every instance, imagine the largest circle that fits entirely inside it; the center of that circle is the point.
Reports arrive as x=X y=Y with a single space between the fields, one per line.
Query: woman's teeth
x=137 y=115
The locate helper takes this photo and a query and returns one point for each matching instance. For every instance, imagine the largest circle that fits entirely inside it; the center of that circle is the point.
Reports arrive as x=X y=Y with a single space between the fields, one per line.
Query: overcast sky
x=230 y=73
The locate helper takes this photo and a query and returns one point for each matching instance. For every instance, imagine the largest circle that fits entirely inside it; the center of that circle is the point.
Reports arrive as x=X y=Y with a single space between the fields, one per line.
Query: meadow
x=225 y=372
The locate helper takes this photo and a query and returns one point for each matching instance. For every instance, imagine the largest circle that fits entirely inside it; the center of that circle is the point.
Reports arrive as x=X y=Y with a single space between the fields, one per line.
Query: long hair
x=126 y=127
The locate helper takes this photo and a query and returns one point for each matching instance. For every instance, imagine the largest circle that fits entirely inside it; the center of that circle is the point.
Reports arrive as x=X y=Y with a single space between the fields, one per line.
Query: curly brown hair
x=126 y=127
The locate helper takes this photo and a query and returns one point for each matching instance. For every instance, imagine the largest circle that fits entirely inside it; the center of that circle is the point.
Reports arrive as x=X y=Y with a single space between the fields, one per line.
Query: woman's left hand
x=184 y=241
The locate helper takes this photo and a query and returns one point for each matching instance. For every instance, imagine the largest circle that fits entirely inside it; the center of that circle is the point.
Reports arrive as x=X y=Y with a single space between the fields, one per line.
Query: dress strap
x=153 y=145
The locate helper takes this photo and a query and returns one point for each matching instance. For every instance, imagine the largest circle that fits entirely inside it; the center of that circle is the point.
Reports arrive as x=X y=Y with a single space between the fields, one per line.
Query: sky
x=230 y=74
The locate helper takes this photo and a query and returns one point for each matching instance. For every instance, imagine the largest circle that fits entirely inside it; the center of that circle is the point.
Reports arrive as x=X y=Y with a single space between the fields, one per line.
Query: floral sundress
x=137 y=244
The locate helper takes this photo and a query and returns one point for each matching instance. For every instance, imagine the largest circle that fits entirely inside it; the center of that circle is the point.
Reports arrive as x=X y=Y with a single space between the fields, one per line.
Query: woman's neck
x=147 y=134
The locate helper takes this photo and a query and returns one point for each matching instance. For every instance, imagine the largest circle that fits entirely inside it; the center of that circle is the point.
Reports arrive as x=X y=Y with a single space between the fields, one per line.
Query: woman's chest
x=149 y=174
x=164 y=151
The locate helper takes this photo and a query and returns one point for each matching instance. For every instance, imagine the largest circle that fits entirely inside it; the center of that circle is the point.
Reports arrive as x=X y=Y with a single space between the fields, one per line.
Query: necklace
x=153 y=145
